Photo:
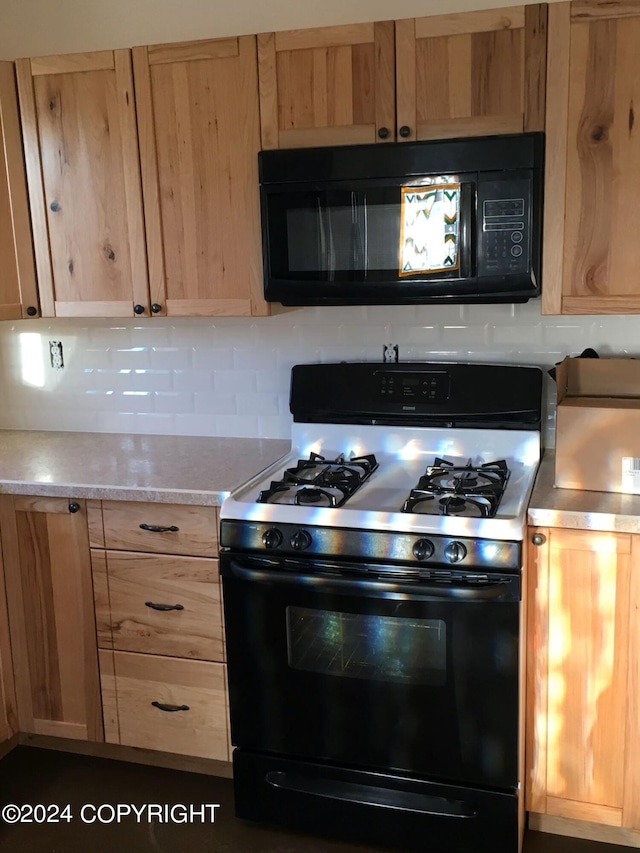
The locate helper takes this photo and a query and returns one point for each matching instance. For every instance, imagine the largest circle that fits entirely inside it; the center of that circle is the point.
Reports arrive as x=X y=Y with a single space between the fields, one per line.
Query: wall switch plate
x=55 y=353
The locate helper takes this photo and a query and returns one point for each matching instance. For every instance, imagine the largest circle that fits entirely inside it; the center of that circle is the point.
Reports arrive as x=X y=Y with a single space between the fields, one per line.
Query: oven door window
x=366 y=646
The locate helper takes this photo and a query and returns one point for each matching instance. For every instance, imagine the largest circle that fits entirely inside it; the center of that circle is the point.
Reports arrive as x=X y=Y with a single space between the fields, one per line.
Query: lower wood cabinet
x=160 y=627
x=583 y=698
x=165 y=703
x=45 y=550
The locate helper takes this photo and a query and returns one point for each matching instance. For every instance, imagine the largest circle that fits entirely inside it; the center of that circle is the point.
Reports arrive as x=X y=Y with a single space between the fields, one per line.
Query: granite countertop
x=161 y=468
x=581 y=510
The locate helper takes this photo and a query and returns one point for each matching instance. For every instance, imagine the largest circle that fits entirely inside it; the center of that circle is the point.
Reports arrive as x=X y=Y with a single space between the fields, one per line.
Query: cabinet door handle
x=154 y=606
x=538 y=539
x=156 y=528
x=163 y=707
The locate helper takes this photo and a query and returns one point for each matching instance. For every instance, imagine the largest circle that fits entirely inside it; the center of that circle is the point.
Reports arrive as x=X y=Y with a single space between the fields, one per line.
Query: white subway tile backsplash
x=234 y=381
x=173 y=402
x=236 y=426
x=257 y=404
x=214 y=403
x=230 y=376
x=151 y=423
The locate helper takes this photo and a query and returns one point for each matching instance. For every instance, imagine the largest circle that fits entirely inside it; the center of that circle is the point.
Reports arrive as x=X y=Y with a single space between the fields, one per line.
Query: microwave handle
x=467 y=229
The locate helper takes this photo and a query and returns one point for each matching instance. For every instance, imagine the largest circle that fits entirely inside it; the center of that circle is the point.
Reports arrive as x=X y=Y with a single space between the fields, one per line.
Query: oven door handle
x=417 y=590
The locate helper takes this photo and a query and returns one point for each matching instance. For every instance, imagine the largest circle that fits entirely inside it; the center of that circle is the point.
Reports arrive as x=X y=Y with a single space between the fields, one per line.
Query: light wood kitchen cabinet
x=591 y=250
x=471 y=73
x=18 y=289
x=8 y=709
x=327 y=86
x=462 y=74
x=160 y=627
x=79 y=130
x=583 y=677
x=45 y=549
x=199 y=126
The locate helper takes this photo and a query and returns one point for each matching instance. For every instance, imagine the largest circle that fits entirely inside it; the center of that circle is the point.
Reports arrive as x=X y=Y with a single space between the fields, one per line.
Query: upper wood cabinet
x=18 y=291
x=471 y=73
x=583 y=675
x=198 y=120
x=463 y=74
x=592 y=212
x=78 y=117
x=45 y=547
x=327 y=86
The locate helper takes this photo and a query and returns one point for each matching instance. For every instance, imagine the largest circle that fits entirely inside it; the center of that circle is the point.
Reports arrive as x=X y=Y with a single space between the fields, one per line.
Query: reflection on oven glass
x=375 y=648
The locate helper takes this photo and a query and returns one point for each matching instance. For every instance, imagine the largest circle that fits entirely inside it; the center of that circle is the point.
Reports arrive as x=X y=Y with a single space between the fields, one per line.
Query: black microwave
x=455 y=221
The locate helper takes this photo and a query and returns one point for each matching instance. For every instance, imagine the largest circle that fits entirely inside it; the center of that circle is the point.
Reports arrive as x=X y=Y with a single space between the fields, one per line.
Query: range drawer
x=158 y=528
x=159 y=604
x=139 y=692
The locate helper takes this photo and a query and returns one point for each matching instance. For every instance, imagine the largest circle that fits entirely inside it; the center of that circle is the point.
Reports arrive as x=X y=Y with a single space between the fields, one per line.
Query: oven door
x=351 y=665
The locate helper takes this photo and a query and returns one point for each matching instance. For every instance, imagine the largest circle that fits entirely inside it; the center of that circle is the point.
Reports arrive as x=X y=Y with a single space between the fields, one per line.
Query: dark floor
x=36 y=776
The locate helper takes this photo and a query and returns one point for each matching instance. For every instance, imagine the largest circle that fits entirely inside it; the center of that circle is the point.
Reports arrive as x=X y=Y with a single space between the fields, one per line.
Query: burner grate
x=449 y=489
x=318 y=481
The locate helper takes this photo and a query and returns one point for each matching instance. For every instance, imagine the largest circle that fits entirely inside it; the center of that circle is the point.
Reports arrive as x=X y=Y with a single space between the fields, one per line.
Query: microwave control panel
x=504 y=226
x=414 y=387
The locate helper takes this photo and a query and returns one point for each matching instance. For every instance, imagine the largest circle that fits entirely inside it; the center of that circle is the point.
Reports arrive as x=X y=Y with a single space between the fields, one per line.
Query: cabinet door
x=18 y=294
x=198 y=118
x=327 y=86
x=45 y=545
x=79 y=130
x=471 y=73
x=8 y=712
x=577 y=674
x=593 y=160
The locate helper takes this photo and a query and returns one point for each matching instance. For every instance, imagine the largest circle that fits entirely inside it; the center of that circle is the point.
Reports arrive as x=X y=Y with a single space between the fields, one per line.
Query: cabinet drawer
x=189 y=530
x=130 y=616
x=132 y=683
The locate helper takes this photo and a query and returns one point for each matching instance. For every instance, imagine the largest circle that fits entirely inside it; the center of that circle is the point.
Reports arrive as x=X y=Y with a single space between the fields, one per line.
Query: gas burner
x=469 y=490
x=318 y=481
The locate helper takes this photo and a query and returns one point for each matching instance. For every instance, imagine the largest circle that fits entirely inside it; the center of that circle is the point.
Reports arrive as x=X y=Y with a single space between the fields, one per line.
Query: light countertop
x=166 y=469
x=581 y=510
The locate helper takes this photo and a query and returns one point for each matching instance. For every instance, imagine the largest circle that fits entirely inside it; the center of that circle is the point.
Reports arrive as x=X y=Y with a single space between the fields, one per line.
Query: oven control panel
x=413 y=386
x=279 y=540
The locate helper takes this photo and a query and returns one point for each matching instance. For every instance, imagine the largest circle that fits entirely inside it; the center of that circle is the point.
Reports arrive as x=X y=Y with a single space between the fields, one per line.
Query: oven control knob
x=300 y=540
x=455 y=552
x=271 y=538
x=423 y=549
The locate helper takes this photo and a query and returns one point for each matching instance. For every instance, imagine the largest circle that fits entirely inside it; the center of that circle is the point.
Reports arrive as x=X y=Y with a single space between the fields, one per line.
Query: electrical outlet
x=390 y=353
x=55 y=353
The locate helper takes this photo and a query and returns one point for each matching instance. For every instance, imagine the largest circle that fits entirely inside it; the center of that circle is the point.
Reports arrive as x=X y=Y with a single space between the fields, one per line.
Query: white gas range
x=422 y=493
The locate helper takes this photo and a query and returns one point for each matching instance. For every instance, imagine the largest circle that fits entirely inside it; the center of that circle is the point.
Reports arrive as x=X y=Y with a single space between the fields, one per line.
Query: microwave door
x=325 y=248
x=467 y=230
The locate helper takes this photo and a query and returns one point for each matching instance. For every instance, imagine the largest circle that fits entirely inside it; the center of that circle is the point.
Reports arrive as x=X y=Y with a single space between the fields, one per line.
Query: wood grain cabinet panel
x=18 y=291
x=583 y=674
x=199 y=127
x=79 y=130
x=160 y=528
x=45 y=547
x=327 y=86
x=591 y=253
x=471 y=73
x=159 y=604
x=166 y=704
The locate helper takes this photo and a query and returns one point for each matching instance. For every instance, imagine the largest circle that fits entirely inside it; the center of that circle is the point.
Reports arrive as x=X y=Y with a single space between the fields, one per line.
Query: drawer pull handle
x=156 y=528
x=154 y=606
x=163 y=707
